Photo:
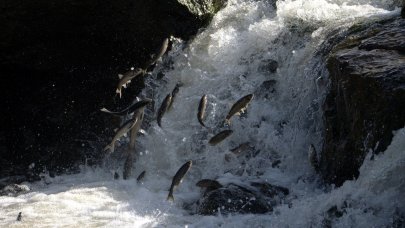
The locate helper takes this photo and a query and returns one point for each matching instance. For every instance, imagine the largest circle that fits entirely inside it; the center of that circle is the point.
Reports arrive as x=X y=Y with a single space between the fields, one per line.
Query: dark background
x=59 y=62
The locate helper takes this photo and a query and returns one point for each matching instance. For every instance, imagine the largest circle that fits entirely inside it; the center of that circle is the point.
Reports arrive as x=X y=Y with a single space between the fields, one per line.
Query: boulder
x=255 y=198
x=59 y=66
x=403 y=12
x=232 y=199
x=365 y=102
x=14 y=190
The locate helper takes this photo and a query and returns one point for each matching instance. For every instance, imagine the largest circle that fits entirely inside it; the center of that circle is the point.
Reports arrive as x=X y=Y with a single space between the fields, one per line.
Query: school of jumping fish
x=135 y=115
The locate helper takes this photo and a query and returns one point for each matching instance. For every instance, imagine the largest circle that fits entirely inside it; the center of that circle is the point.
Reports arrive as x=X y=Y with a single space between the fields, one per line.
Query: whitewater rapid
x=225 y=61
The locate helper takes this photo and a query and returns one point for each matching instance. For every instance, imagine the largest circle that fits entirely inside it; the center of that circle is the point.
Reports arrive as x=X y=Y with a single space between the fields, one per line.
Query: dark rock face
x=268 y=66
x=232 y=199
x=258 y=199
x=14 y=190
x=365 y=102
x=59 y=63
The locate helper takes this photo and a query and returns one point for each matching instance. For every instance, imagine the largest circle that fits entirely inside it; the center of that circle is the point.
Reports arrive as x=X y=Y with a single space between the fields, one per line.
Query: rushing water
x=225 y=61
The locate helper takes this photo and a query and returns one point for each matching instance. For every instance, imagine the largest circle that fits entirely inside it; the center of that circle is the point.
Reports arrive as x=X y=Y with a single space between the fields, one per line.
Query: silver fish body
x=220 y=137
x=122 y=131
x=239 y=106
x=126 y=78
x=178 y=177
x=160 y=52
x=163 y=108
x=201 y=109
x=174 y=93
x=138 y=119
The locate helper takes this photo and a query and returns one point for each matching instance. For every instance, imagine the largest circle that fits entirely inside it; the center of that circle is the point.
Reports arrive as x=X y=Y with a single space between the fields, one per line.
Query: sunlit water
x=225 y=62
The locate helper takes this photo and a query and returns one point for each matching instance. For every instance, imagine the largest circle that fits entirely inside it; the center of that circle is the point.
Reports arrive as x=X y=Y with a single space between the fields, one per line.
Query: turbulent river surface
x=227 y=60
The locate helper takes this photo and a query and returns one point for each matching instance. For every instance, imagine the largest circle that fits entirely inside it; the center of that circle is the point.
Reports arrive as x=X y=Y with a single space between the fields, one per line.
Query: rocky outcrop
x=403 y=12
x=365 y=102
x=258 y=198
x=14 y=190
x=59 y=63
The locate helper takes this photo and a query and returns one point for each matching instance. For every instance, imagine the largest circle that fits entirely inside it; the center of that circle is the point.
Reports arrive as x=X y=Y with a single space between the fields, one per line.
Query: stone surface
x=232 y=199
x=14 y=190
x=256 y=198
x=59 y=63
x=365 y=102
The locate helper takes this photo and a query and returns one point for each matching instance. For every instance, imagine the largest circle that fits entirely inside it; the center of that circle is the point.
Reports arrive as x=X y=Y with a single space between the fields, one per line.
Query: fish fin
x=125 y=86
x=201 y=122
x=118 y=91
x=125 y=134
x=105 y=110
x=227 y=122
x=120 y=76
x=142 y=131
x=170 y=197
x=110 y=147
x=238 y=113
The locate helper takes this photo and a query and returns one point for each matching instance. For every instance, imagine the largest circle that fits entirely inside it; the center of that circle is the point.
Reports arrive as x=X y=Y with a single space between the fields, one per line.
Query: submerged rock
x=266 y=89
x=232 y=199
x=268 y=66
x=258 y=198
x=403 y=12
x=14 y=190
x=365 y=102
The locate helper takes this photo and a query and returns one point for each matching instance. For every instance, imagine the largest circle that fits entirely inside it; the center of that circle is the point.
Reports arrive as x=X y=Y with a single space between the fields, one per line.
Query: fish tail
x=118 y=91
x=170 y=197
x=201 y=122
x=105 y=110
x=110 y=147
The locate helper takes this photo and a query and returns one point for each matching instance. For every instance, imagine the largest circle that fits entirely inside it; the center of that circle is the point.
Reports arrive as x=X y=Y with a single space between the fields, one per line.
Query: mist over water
x=226 y=61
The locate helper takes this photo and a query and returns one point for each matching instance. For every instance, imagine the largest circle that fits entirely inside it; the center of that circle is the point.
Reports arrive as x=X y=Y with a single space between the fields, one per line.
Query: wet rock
x=59 y=66
x=364 y=104
x=14 y=190
x=270 y=190
x=403 y=12
x=266 y=89
x=232 y=199
x=391 y=37
x=268 y=66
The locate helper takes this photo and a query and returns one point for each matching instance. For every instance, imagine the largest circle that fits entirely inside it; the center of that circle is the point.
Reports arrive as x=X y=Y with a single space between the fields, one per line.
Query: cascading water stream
x=234 y=56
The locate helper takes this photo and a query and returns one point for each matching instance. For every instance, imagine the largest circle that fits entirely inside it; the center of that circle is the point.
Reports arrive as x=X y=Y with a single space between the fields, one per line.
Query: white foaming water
x=225 y=61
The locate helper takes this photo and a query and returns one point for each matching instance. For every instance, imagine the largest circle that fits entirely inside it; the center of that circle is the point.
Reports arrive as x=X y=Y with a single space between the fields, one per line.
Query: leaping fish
x=178 y=177
x=126 y=78
x=239 y=106
x=201 y=110
x=160 y=52
x=130 y=109
x=174 y=93
x=138 y=116
x=220 y=137
x=122 y=131
x=163 y=108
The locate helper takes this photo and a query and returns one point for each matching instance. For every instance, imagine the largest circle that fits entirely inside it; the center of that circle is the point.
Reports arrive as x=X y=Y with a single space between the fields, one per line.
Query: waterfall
x=250 y=47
